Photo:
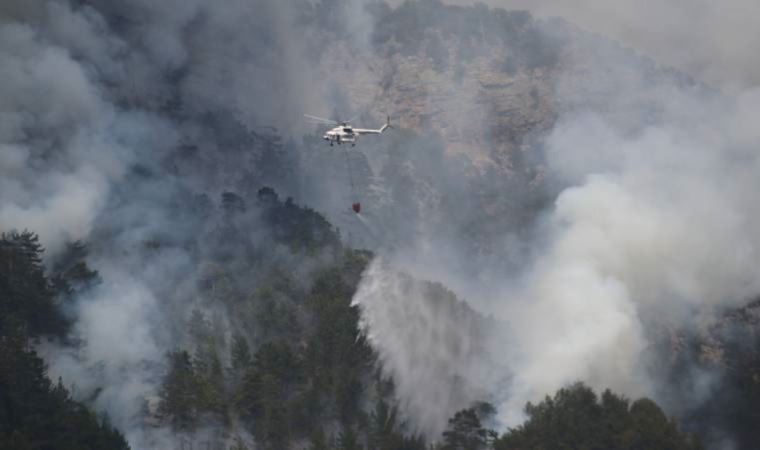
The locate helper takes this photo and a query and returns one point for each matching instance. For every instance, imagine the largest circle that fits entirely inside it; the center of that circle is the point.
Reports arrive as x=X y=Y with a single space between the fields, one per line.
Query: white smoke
x=115 y=327
x=42 y=92
x=657 y=227
x=84 y=93
x=432 y=346
x=660 y=229
x=63 y=144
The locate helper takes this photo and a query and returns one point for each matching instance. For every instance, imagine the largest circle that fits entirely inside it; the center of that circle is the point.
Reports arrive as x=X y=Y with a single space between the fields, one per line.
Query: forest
x=310 y=377
x=36 y=412
x=556 y=247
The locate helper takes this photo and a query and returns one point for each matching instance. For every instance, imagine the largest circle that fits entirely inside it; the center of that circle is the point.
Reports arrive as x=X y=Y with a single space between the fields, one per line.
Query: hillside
x=38 y=413
x=553 y=215
x=278 y=364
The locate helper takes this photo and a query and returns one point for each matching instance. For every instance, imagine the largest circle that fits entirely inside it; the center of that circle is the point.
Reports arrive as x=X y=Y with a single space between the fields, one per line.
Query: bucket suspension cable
x=355 y=205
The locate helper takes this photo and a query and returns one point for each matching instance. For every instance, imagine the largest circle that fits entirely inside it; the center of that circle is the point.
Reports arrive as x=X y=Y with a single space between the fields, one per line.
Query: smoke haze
x=624 y=205
x=653 y=229
x=711 y=41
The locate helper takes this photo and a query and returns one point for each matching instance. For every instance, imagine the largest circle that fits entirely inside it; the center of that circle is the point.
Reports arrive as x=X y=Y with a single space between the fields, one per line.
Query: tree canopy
x=576 y=418
x=35 y=413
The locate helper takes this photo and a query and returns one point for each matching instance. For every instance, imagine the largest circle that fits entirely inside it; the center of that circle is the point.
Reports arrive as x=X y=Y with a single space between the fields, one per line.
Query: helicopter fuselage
x=345 y=133
x=340 y=135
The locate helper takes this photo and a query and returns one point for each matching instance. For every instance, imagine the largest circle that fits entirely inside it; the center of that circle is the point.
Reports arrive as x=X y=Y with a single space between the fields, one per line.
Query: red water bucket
x=357 y=207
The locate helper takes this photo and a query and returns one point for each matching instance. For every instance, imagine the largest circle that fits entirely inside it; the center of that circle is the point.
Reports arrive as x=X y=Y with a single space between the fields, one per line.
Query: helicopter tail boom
x=380 y=131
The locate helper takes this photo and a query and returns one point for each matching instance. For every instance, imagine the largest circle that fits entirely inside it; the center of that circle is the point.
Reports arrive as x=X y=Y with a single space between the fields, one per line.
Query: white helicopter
x=344 y=133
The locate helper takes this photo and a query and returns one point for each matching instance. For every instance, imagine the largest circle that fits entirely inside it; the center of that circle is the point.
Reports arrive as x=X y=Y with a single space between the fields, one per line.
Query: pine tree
x=348 y=440
x=180 y=392
x=240 y=353
x=465 y=432
x=574 y=418
x=318 y=440
x=25 y=292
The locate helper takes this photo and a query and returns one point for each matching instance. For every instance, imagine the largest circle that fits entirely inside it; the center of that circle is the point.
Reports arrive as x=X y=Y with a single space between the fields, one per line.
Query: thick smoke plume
x=653 y=230
x=658 y=229
x=433 y=345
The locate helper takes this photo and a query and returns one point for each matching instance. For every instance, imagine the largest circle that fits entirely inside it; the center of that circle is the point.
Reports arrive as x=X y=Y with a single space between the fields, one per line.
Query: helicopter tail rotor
x=387 y=125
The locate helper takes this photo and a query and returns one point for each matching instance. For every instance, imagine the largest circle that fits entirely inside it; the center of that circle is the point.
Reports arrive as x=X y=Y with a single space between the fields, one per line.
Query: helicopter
x=344 y=133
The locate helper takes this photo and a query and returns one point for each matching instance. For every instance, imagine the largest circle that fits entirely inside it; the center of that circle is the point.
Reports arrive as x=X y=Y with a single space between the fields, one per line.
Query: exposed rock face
x=733 y=342
x=493 y=93
x=479 y=109
x=474 y=92
x=713 y=370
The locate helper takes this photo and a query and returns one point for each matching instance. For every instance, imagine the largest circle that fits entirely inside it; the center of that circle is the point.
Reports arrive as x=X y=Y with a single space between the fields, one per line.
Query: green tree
x=25 y=291
x=386 y=433
x=348 y=440
x=318 y=440
x=465 y=432
x=240 y=353
x=575 y=418
x=37 y=414
x=34 y=412
x=382 y=432
x=265 y=393
x=180 y=393
x=71 y=274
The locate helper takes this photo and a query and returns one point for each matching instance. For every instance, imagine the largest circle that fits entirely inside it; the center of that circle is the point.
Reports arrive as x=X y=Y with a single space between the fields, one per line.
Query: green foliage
x=25 y=292
x=71 y=274
x=180 y=392
x=327 y=370
x=301 y=229
x=465 y=432
x=318 y=440
x=575 y=418
x=297 y=360
x=240 y=353
x=386 y=433
x=348 y=440
x=337 y=350
x=309 y=365
x=35 y=413
x=266 y=388
x=275 y=314
x=192 y=388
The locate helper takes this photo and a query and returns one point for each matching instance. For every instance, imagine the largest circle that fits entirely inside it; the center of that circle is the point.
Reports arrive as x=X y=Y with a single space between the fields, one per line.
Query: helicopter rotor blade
x=321 y=119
